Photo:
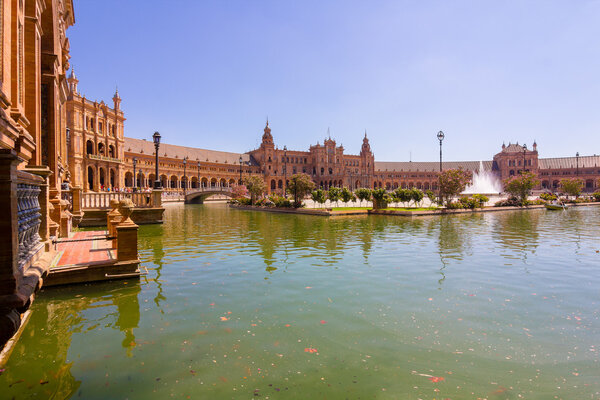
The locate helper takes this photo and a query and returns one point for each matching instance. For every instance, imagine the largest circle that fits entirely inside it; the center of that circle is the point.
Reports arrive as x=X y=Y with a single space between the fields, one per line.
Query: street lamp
x=156 y=140
x=241 y=169
x=577 y=156
x=199 y=186
x=285 y=171
x=184 y=178
x=134 y=176
x=524 y=151
x=440 y=136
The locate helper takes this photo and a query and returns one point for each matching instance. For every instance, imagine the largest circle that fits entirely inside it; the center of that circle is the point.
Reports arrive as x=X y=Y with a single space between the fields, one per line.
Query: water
x=485 y=182
x=242 y=305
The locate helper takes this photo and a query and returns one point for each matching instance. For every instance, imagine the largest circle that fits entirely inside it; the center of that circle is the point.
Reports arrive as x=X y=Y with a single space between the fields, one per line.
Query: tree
x=433 y=199
x=380 y=198
x=417 y=195
x=299 y=186
x=520 y=186
x=319 y=196
x=239 y=191
x=572 y=187
x=363 y=194
x=334 y=194
x=347 y=196
x=256 y=186
x=405 y=196
x=452 y=182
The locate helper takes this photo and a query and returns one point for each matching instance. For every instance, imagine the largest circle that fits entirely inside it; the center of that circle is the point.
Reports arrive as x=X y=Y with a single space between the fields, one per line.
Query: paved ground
x=73 y=253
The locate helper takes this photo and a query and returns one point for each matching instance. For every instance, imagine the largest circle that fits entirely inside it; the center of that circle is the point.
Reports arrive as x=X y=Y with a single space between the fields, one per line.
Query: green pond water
x=246 y=305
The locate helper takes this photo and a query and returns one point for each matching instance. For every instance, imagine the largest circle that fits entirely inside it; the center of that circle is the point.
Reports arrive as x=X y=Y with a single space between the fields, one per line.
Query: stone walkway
x=76 y=253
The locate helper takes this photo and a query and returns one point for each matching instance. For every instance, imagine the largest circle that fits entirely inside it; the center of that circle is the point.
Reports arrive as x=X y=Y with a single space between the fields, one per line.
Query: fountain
x=484 y=182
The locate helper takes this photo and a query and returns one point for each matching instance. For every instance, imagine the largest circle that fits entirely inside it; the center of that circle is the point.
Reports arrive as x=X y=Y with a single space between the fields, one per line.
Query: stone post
x=10 y=319
x=157 y=198
x=127 y=232
x=54 y=213
x=65 y=219
x=76 y=206
x=112 y=219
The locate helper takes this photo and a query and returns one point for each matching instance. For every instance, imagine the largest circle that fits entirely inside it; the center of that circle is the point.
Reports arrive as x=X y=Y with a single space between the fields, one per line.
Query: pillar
x=127 y=232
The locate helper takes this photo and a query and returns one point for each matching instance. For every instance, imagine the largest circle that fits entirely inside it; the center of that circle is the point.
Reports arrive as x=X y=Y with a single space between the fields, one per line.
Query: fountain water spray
x=484 y=182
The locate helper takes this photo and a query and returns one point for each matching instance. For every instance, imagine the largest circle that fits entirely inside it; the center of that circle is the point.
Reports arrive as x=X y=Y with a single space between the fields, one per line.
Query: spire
x=117 y=99
x=365 y=133
x=328 y=133
x=72 y=81
x=267 y=138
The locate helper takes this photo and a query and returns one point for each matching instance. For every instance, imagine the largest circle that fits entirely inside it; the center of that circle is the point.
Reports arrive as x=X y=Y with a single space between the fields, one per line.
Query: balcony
x=104 y=158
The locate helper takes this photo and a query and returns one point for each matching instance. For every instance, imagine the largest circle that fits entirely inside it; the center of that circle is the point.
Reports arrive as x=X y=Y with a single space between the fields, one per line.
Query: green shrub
x=596 y=196
x=280 y=201
x=548 y=196
x=481 y=199
x=510 y=202
x=245 y=201
x=468 y=202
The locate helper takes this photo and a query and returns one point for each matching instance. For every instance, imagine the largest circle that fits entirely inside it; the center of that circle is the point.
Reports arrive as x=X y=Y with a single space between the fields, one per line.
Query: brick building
x=34 y=59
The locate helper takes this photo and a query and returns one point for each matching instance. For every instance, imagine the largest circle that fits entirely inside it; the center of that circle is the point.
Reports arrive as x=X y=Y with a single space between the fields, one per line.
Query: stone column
x=127 y=232
x=10 y=319
x=112 y=219
x=76 y=206
x=157 y=198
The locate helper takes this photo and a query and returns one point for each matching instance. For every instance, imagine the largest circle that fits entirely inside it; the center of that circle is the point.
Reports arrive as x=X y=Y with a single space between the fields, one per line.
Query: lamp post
x=199 y=185
x=134 y=176
x=440 y=136
x=241 y=161
x=156 y=140
x=184 y=178
x=524 y=151
x=285 y=171
x=577 y=156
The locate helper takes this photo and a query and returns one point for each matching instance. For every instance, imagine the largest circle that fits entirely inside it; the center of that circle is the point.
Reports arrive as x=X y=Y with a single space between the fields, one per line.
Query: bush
x=245 y=202
x=510 y=202
x=596 y=196
x=468 y=202
x=380 y=198
x=280 y=201
x=481 y=199
x=454 y=205
x=548 y=196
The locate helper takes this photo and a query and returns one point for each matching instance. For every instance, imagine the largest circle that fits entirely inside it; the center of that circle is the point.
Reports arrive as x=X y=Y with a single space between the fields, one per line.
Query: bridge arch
x=197 y=196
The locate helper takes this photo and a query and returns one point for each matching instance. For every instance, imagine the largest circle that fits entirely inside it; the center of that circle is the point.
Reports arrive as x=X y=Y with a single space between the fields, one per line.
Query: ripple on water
x=239 y=304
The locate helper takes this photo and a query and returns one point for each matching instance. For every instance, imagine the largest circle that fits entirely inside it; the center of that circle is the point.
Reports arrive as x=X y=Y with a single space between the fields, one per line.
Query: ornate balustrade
x=29 y=220
x=101 y=200
x=103 y=158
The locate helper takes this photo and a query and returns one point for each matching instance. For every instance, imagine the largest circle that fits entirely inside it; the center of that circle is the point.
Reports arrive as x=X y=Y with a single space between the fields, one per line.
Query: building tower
x=367 y=162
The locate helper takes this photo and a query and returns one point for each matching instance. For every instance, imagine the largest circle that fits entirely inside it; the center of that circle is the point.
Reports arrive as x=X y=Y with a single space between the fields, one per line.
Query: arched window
x=89 y=147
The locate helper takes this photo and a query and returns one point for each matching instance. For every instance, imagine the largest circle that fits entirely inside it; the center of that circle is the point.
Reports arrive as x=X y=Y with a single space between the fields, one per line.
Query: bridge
x=197 y=196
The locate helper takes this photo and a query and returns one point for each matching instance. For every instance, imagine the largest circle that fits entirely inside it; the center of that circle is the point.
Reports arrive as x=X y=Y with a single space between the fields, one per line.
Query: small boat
x=555 y=206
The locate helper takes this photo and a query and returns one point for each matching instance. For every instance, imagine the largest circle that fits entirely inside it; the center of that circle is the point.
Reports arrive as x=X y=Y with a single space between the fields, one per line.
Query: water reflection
x=61 y=329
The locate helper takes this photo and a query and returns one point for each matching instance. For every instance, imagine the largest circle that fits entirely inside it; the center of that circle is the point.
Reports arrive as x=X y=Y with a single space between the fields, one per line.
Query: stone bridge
x=197 y=196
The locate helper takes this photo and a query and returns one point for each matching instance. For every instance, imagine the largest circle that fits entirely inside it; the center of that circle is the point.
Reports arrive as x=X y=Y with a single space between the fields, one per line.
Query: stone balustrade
x=29 y=221
x=101 y=200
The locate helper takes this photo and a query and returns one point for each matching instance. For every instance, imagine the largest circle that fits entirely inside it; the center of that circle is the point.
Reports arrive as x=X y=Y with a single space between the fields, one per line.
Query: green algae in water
x=255 y=305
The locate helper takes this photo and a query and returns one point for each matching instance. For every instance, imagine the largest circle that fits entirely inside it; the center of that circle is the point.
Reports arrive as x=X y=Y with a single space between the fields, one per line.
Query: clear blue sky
x=208 y=73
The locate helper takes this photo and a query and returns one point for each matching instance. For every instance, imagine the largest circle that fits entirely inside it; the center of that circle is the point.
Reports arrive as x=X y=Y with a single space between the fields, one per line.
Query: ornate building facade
x=96 y=142
x=34 y=59
x=328 y=166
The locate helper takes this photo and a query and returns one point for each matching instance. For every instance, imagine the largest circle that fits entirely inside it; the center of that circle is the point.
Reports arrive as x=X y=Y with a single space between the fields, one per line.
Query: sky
x=208 y=74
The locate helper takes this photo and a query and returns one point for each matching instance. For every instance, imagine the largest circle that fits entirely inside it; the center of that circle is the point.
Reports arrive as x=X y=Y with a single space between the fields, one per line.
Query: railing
x=29 y=218
x=226 y=189
x=102 y=200
x=103 y=158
